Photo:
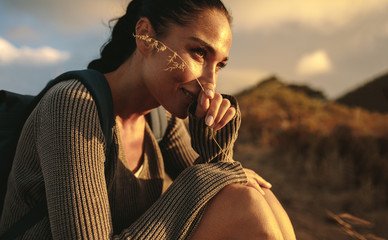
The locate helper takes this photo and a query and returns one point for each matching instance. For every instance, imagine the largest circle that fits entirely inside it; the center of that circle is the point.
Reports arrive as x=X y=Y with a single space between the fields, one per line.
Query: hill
x=276 y=82
x=320 y=155
x=275 y=106
x=373 y=95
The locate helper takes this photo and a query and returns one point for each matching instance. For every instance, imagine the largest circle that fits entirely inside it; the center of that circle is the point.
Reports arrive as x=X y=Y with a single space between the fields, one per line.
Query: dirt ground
x=315 y=213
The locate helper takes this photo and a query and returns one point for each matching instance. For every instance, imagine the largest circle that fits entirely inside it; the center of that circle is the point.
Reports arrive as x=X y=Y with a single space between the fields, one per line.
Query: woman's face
x=204 y=45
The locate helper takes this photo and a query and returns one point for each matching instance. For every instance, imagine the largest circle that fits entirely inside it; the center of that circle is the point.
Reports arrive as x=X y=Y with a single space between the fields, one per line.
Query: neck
x=131 y=98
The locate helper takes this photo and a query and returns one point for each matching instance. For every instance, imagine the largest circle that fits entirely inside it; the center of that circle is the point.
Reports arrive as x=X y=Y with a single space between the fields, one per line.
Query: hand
x=217 y=109
x=255 y=181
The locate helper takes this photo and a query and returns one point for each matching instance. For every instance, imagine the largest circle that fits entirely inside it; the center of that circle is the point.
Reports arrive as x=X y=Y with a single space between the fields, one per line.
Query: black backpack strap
x=99 y=88
x=12 y=106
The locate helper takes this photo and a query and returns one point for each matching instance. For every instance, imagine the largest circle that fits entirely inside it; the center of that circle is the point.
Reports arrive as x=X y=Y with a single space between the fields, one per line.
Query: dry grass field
x=328 y=163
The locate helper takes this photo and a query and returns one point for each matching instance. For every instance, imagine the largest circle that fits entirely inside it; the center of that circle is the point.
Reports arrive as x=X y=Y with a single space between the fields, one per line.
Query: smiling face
x=204 y=46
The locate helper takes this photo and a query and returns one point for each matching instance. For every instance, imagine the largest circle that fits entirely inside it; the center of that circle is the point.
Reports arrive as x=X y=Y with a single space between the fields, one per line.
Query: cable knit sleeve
x=71 y=151
x=180 y=150
x=176 y=148
x=202 y=136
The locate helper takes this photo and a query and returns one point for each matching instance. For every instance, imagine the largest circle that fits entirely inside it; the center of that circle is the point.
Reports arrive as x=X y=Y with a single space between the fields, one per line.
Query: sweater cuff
x=202 y=136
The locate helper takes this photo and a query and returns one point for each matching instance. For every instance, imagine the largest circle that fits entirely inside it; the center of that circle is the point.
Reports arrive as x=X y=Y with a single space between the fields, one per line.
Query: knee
x=249 y=212
x=240 y=199
x=239 y=196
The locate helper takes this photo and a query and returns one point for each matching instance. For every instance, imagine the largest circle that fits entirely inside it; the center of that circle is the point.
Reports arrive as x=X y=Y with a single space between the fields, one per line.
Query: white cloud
x=314 y=63
x=10 y=54
x=323 y=15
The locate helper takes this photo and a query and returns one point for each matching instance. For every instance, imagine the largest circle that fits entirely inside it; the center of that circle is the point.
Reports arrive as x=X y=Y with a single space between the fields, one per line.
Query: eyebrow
x=207 y=46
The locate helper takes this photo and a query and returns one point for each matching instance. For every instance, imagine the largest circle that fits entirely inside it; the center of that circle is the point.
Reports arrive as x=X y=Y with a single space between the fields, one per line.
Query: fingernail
x=269 y=185
x=209 y=120
x=209 y=93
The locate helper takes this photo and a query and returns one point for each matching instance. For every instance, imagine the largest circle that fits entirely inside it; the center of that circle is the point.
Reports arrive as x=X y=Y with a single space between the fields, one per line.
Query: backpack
x=15 y=109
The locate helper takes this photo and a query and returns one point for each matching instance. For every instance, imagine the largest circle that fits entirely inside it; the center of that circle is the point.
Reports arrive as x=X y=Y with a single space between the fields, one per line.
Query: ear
x=144 y=28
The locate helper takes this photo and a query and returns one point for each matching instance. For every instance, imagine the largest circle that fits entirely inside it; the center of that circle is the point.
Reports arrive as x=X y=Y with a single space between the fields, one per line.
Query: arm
x=178 y=153
x=71 y=150
x=218 y=139
x=176 y=148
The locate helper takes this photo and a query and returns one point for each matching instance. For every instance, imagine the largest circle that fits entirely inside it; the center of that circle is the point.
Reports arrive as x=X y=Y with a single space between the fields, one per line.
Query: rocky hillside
x=373 y=95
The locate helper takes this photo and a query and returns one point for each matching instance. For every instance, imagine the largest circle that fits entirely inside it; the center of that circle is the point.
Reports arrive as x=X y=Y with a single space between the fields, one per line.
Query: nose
x=209 y=78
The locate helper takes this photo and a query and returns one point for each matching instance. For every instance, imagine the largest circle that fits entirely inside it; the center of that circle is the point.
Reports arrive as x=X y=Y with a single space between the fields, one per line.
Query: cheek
x=182 y=77
x=167 y=84
x=193 y=68
x=171 y=74
x=176 y=78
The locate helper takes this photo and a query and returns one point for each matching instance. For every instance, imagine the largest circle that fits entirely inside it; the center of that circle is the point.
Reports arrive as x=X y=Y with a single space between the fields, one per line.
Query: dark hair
x=122 y=44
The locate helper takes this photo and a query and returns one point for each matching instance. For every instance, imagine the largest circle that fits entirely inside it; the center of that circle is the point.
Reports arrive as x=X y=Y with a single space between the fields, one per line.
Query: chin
x=182 y=116
x=179 y=113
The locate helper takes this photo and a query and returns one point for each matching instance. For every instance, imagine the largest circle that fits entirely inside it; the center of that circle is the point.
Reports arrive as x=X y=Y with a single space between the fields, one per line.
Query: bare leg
x=239 y=212
x=280 y=215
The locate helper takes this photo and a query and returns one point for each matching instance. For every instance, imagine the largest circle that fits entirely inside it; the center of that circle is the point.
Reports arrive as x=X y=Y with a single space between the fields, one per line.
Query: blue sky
x=333 y=46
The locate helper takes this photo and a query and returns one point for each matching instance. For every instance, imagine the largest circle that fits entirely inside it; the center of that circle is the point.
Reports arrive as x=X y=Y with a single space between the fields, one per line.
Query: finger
x=225 y=105
x=215 y=104
x=255 y=186
x=251 y=175
x=228 y=116
x=203 y=104
x=261 y=181
x=208 y=89
x=204 y=98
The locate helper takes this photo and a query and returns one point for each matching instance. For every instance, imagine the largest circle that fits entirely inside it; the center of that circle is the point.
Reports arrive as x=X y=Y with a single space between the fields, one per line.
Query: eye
x=199 y=53
x=220 y=66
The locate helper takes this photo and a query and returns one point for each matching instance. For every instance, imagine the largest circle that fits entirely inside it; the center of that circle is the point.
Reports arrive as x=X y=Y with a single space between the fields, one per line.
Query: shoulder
x=68 y=90
x=67 y=96
x=67 y=100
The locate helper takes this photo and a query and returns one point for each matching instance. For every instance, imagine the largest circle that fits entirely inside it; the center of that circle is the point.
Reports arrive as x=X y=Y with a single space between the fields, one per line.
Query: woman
x=61 y=151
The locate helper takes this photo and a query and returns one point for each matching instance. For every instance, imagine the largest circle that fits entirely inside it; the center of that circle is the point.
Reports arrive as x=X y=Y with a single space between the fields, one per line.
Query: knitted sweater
x=61 y=159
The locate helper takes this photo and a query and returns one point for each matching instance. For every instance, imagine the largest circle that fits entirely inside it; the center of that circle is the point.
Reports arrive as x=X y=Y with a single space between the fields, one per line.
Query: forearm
x=176 y=148
x=176 y=214
x=214 y=146
x=181 y=149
